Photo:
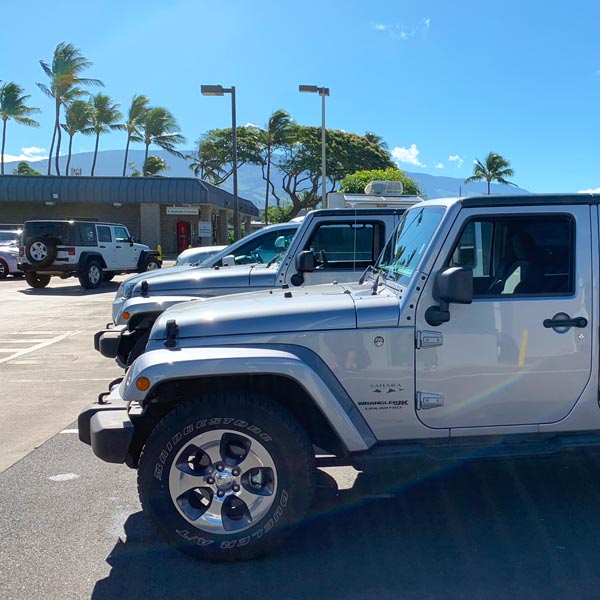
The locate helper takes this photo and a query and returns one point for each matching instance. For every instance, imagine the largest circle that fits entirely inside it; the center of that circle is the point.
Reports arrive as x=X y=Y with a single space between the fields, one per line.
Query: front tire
x=90 y=277
x=227 y=476
x=152 y=264
x=35 y=280
x=3 y=269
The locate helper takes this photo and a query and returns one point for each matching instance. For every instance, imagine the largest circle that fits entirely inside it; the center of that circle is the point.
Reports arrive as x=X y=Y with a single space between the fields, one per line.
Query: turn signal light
x=126 y=316
x=142 y=384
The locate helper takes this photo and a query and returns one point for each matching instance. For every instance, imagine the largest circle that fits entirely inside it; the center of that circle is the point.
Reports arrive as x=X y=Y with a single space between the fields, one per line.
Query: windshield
x=8 y=237
x=404 y=250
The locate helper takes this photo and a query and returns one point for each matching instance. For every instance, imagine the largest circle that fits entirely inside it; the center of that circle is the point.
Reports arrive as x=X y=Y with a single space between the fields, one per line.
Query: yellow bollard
x=159 y=250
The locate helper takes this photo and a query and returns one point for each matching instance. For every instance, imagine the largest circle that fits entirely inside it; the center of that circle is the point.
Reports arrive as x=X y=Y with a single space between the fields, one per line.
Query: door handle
x=118 y=246
x=102 y=246
x=563 y=320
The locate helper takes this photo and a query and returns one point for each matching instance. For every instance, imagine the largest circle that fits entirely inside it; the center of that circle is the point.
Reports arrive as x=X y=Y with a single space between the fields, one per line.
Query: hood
x=208 y=282
x=157 y=273
x=312 y=308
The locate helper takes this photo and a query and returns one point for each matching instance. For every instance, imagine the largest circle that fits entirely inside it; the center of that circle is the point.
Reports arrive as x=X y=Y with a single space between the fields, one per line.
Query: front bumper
x=116 y=342
x=107 y=428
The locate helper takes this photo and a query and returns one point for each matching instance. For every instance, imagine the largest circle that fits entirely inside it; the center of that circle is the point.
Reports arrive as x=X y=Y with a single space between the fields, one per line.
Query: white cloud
x=427 y=22
x=401 y=31
x=590 y=191
x=457 y=159
x=439 y=165
x=409 y=156
x=380 y=27
x=30 y=154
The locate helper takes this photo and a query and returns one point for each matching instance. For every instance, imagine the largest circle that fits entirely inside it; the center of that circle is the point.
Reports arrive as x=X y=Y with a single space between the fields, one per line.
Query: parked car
x=9 y=237
x=9 y=258
x=93 y=252
x=196 y=256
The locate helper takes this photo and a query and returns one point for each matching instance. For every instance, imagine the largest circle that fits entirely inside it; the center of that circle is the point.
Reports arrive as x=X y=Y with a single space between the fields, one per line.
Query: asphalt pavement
x=71 y=526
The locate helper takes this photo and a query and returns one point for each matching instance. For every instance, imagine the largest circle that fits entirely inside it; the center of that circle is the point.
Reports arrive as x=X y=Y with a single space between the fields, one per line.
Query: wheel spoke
x=181 y=481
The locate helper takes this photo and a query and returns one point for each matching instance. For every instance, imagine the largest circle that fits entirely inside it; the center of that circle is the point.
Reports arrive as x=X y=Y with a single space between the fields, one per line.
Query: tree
x=158 y=126
x=24 y=169
x=496 y=168
x=300 y=162
x=104 y=116
x=78 y=119
x=64 y=73
x=13 y=106
x=279 y=214
x=154 y=166
x=213 y=160
x=356 y=182
x=135 y=115
x=278 y=132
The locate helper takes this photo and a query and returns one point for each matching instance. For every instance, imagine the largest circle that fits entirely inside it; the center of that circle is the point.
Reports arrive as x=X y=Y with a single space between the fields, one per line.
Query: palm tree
x=158 y=126
x=377 y=140
x=104 y=116
x=67 y=65
x=78 y=120
x=12 y=106
x=278 y=132
x=496 y=168
x=135 y=115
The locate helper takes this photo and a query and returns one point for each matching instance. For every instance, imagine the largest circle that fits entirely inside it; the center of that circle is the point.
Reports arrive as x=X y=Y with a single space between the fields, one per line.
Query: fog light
x=126 y=316
x=142 y=384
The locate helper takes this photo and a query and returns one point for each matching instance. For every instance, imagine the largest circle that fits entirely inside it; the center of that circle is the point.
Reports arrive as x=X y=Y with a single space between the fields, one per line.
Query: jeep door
x=107 y=246
x=127 y=253
x=505 y=359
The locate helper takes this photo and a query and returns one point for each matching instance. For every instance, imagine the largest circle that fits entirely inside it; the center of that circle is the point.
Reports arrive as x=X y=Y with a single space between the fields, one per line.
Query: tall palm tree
x=64 y=73
x=496 y=168
x=158 y=126
x=278 y=132
x=78 y=120
x=135 y=115
x=13 y=106
x=377 y=140
x=105 y=115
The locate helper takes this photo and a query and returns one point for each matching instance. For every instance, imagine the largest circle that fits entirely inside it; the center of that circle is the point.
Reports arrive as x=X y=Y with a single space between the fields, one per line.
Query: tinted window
x=104 y=234
x=518 y=256
x=85 y=235
x=59 y=231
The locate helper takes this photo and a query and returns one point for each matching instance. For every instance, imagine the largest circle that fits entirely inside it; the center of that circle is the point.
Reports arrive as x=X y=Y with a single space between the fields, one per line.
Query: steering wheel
x=256 y=257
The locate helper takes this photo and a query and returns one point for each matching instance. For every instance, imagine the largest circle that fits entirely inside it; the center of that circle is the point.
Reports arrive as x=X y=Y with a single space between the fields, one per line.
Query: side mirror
x=305 y=262
x=131 y=240
x=452 y=285
x=228 y=261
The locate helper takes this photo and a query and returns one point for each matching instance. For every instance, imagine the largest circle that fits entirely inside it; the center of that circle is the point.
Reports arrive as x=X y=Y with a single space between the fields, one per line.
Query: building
x=171 y=211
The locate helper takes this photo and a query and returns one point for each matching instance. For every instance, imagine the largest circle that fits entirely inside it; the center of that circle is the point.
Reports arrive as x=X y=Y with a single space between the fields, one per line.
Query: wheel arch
x=85 y=257
x=279 y=389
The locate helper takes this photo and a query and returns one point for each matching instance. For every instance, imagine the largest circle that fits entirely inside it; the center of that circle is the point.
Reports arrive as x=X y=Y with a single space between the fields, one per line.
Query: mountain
x=250 y=182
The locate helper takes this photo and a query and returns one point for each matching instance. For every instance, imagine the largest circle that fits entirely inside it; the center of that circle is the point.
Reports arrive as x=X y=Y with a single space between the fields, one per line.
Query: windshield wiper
x=364 y=274
x=375 y=284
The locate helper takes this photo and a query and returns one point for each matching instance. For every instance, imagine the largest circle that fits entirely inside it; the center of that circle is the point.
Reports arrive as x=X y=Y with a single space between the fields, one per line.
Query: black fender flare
x=145 y=255
x=86 y=256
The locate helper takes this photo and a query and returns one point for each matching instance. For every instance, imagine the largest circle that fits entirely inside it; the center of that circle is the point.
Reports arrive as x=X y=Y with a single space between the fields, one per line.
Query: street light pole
x=219 y=90
x=323 y=92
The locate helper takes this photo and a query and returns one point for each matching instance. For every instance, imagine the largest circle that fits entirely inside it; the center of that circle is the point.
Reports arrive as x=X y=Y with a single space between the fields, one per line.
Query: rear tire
x=107 y=276
x=226 y=476
x=90 y=277
x=3 y=269
x=35 y=280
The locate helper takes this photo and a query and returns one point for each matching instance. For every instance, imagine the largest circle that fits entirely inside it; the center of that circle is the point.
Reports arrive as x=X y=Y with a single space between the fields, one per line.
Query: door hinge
x=426 y=400
x=428 y=339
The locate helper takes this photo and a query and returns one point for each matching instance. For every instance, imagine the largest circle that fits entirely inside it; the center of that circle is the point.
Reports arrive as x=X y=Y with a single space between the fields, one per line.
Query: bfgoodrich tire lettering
x=225 y=477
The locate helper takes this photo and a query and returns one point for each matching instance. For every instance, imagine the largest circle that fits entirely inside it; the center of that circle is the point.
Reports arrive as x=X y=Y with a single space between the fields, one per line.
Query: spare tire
x=41 y=251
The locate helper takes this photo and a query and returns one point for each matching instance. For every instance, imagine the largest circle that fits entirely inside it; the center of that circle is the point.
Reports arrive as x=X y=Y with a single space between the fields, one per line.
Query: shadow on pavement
x=499 y=529
x=71 y=290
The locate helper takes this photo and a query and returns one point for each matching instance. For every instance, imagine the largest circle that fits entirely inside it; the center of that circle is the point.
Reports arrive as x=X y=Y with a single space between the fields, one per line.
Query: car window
x=264 y=248
x=121 y=234
x=340 y=245
x=104 y=234
x=85 y=234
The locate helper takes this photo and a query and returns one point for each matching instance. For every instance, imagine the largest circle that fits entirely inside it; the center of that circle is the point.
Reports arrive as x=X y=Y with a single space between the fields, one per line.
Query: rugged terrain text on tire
x=227 y=476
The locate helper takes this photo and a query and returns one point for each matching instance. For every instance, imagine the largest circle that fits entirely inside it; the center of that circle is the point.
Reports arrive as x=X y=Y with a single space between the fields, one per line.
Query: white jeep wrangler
x=94 y=252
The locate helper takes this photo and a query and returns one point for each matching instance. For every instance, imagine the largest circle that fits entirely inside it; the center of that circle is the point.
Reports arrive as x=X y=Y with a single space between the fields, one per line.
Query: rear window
x=59 y=231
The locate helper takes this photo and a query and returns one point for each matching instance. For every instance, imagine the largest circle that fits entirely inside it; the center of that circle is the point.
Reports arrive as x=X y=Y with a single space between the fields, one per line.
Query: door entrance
x=184 y=235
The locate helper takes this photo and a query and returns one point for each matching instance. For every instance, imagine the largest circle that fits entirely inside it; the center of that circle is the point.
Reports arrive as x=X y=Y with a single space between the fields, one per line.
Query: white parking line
x=39 y=346
x=70 y=431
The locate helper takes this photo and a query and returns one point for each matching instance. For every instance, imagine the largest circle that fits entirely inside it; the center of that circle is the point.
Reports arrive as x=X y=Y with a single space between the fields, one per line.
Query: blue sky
x=442 y=82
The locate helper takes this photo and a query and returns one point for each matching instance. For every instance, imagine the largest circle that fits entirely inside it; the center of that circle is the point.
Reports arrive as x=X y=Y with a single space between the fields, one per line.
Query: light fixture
x=49 y=203
x=219 y=90
x=323 y=92
x=117 y=204
x=55 y=196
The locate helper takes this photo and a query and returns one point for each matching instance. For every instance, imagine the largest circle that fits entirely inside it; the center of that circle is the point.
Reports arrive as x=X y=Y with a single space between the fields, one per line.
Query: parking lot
x=71 y=526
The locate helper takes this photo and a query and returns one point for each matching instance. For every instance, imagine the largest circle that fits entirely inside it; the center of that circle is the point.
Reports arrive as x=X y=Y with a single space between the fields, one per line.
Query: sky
x=443 y=83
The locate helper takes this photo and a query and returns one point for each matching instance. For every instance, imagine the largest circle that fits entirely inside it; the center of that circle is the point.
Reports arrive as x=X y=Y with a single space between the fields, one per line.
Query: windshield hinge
x=428 y=339
x=426 y=400
x=171 y=333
